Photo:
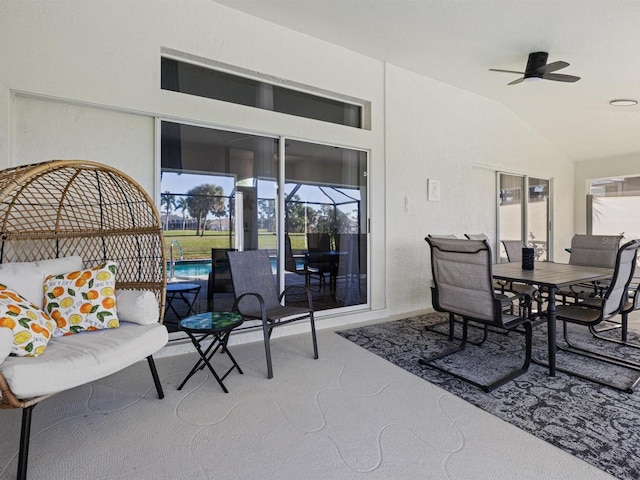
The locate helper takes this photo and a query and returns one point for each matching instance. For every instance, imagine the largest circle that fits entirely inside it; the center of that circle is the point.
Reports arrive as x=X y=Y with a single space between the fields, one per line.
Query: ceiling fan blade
x=551 y=67
x=515 y=82
x=559 y=77
x=505 y=71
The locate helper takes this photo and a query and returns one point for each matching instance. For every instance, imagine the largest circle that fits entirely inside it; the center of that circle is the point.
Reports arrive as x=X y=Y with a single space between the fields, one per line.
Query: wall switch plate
x=433 y=190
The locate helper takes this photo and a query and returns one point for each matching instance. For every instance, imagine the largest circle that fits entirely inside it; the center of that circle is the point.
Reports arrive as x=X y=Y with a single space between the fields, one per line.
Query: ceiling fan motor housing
x=536 y=60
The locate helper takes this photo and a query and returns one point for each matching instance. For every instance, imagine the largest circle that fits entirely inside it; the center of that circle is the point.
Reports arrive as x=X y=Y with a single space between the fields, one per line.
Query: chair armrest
x=263 y=308
x=634 y=295
x=594 y=303
x=6 y=340
x=294 y=287
x=507 y=301
x=585 y=288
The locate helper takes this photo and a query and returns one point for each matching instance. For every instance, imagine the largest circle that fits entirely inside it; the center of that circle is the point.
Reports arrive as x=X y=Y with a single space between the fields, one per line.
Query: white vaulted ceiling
x=457 y=41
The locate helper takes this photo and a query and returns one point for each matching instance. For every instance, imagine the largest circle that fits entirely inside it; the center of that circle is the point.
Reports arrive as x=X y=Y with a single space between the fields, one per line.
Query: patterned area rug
x=595 y=423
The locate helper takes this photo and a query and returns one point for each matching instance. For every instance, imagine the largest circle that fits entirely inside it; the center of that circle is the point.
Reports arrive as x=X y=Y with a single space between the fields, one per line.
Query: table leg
x=551 y=330
x=226 y=350
x=189 y=303
x=219 y=340
x=170 y=298
x=182 y=295
x=203 y=358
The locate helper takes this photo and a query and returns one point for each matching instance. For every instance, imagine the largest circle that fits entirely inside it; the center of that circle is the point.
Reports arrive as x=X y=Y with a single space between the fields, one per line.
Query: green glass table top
x=212 y=321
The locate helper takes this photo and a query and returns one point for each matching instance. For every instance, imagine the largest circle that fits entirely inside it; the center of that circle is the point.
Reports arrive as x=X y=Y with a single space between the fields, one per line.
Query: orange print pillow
x=31 y=327
x=83 y=300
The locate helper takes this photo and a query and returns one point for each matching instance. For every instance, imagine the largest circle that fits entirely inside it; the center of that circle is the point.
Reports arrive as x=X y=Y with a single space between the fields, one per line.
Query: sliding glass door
x=538 y=217
x=220 y=190
x=523 y=212
x=326 y=221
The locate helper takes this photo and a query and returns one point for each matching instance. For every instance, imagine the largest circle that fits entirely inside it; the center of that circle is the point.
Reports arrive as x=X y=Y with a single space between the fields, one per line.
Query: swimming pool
x=202 y=268
x=198 y=268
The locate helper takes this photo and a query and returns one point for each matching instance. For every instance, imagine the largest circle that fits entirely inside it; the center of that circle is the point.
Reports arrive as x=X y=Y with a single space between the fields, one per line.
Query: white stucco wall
x=436 y=131
x=627 y=165
x=81 y=79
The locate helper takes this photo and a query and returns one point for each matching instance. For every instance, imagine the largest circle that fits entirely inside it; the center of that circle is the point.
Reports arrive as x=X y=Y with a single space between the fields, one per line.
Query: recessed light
x=623 y=103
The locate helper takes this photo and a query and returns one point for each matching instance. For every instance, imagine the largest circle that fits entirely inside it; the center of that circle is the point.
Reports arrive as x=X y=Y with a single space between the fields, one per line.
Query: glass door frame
x=281 y=216
x=280 y=193
x=524 y=226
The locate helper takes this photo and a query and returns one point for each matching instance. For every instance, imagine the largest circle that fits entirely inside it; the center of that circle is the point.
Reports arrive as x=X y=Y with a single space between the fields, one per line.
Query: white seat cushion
x=74 y=360
x=27 y=278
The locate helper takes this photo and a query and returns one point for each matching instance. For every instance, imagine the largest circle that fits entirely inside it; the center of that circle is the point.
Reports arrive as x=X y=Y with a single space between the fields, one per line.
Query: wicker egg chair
x=68 y=207
x=62 y=208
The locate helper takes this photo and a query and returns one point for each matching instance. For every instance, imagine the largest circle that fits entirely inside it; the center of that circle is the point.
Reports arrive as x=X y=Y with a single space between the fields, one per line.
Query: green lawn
x=199 y=247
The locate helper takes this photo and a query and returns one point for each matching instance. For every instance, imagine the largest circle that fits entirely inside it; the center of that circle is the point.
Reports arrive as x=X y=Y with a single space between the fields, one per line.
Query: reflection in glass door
x=510 y=210
x=326 y=222
x=538 y=217
x=219 y=191
x=215 y=185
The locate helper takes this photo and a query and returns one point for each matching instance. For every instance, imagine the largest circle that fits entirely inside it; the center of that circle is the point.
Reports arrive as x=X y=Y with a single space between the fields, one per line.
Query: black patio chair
x=593 y=311
x=290 y=265
x=219 y=278
x=257 y=298
x=463 y=286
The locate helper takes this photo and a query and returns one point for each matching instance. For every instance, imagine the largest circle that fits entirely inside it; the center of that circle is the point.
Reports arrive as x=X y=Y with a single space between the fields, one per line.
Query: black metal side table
x=180 y=291
x=217 y=325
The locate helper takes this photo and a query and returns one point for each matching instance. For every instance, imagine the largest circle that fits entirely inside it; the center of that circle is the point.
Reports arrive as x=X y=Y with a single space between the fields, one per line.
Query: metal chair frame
x=257 y=298
x=498 y=317
x=606 y=308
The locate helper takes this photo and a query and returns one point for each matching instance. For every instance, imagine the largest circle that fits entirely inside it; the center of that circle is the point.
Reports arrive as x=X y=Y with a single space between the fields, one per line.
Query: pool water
x=190 y=269
x=203 y=268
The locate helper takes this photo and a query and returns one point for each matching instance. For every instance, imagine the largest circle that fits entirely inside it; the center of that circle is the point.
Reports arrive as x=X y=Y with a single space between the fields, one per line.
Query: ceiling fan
x=538 y=69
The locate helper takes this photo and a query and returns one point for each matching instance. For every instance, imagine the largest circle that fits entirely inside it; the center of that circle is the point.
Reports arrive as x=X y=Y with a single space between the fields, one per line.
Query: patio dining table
x=551 y=276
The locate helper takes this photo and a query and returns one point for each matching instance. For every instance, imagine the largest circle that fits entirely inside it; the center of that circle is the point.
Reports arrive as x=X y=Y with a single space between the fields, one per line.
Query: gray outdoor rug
x=598 y=424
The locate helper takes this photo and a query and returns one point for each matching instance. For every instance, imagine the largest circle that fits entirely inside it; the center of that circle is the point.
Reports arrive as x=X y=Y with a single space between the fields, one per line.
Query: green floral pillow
x=32 y=328
x=81 y=301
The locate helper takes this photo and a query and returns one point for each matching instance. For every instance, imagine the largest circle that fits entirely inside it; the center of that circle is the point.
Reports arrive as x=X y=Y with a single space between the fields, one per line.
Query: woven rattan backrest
x=74 y=207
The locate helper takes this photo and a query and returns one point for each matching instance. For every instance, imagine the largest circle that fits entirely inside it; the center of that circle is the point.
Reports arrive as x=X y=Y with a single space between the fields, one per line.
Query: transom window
x=193 y=79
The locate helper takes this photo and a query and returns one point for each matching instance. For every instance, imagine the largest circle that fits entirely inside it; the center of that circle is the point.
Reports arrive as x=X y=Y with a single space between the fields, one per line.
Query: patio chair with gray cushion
x=593 y=311
x=257 y=298
x=463 y=285
x=632 y=302
x=592 y=251
x=513 y=248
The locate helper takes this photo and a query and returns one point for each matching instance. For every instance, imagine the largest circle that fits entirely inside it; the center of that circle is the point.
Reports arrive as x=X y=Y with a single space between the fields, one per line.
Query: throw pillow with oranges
x=32 y=328
x=81 y=301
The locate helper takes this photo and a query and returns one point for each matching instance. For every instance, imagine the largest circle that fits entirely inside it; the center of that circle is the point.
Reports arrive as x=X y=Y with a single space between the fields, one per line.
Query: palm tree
x=181 y=205
x=204 y=199
x=168 y=201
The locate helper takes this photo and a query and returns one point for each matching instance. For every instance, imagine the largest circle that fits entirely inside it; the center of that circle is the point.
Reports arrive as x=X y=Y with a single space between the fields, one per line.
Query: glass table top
x=211 y=321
